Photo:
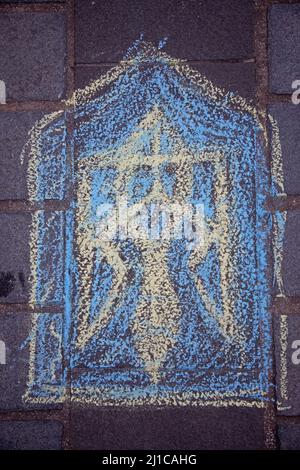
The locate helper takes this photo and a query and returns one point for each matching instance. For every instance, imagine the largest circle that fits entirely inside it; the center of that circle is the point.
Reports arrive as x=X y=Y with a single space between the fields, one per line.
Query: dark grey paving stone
x=287 y=371
x=14 y=257
x=85 y=75
x=222 y=29
x=32 y=55
x=14 y=331
x=30 y=435
x=168 y=428
x=291 y=255
x=235 y=77
x=288 y=119
x=16 y=334
x=14 y=128
x=284 y=47
x=289 y=436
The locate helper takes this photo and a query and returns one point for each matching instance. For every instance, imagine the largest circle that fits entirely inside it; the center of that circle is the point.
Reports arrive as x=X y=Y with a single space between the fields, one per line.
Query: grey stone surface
x=14 y=128
x=289 y=436
x=85 y=75
x=32 y=55
x=14 y=257
x=236 y=77
x=291 y=254
x=284 y=47
x=288 y=403
x=30 y=435
x=14 y=330
x=167 y=428
x=288 y=119
x=222 y=29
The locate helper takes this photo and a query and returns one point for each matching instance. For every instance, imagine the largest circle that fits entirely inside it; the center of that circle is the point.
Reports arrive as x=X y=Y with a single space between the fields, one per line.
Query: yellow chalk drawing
x=146 y=320
x=283 y=372
x=279 y=220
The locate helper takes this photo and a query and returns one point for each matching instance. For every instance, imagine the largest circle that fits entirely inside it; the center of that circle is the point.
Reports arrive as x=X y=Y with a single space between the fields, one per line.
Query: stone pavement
x=48 y=49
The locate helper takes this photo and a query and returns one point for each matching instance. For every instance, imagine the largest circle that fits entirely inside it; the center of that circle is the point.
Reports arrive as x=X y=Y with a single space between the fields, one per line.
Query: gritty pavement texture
x=14 y=128
x=177 y=428
x=42 y=47
x=30 y=435
x=14 y=331
x=32 y=55
x=288 y=119
x=195 y=30
x=284 y=47
x=289 y=436
x=288 y=384
x=14 y=257
x=291 y=255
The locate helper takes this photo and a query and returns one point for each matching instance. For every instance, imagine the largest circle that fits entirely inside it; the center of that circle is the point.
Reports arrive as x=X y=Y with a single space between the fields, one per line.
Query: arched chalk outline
x=84 y=97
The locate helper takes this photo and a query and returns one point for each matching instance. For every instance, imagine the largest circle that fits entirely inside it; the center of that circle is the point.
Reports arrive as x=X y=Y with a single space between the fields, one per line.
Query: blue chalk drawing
x=151 y=322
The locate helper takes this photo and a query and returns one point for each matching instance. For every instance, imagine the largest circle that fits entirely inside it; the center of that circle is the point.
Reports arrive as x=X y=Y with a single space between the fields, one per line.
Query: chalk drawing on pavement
x=152 y=321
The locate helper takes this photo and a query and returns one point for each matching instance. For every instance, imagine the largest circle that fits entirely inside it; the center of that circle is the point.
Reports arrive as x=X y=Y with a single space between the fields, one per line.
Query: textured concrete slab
x=222 y=29
x=287 y=349
x=291 y=254
x=14 y=257
x=284 y=47
x=167 y=428
x=30 y=435
x=16 y=373
x=32 y=55
x=289 y=436
x=14 y=331
x=14 y=128
x=287 y=116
